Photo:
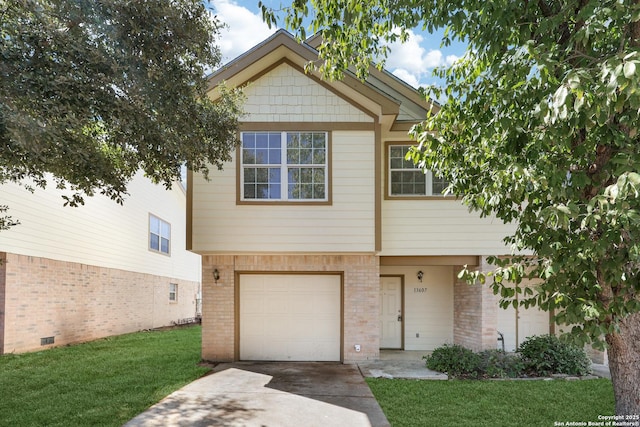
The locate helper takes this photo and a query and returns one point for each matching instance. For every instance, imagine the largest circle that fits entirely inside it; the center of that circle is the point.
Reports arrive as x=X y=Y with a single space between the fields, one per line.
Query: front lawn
x=101 y=383
x=109 y=381
x=492 y=403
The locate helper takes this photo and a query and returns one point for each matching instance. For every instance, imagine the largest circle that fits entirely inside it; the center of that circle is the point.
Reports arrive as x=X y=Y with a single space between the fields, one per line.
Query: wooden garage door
x=290 y=317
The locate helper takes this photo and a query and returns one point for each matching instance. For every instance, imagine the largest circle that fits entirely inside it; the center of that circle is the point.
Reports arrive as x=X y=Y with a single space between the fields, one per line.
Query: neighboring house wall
x=100 y=232
x=77 y=302
x=3 y=272
x=82 y=273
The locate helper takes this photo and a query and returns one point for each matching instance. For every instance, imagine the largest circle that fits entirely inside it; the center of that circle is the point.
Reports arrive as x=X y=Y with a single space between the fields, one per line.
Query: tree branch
x=635 y=31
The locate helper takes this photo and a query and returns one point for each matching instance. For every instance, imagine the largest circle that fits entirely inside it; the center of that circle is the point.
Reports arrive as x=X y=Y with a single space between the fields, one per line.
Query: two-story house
x=319 y=241
x=76 y=274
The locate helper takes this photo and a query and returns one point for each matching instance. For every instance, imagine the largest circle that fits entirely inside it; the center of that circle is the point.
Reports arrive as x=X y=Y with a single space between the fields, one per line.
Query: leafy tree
x=91 y=92
x=6 y=221
x=540 y=128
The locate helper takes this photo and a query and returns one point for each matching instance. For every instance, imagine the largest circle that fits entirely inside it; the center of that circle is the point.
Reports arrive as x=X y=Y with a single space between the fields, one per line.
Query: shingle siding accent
x=288 y=95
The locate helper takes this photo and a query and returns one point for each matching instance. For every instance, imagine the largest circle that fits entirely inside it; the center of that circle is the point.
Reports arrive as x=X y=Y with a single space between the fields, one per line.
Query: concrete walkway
x=280 y=394
x=400 y=364
x=270 y=394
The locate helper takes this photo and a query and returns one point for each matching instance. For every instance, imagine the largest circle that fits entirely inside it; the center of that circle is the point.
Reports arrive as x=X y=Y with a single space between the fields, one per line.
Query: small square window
x=406 y=179
x=173 y=292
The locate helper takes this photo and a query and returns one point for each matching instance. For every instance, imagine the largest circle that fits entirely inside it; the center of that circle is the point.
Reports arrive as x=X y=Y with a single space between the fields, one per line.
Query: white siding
x=347 y=225
x=428 y=305
x=284 y=94
x=439 y=227
x=101 y=232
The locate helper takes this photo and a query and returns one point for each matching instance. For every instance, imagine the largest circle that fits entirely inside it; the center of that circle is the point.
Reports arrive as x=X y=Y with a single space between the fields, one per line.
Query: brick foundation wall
x=361 y=299
x=475 y=313
x=76 y=302
x=2 y=286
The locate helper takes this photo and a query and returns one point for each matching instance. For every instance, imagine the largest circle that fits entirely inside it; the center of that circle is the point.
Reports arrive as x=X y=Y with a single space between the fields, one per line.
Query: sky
x=412 y=61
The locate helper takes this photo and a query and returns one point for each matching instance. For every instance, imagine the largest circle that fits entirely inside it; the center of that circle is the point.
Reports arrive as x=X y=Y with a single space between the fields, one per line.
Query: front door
x=391 y=312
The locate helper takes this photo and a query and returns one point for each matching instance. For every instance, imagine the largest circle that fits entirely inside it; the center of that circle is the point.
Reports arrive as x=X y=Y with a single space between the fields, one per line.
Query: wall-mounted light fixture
x=216 y=275
x=420 y=275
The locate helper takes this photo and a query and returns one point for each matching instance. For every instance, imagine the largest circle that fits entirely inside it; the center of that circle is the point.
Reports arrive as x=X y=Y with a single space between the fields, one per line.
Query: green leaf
x=629 y=69
x=560 y=97
x=94 y=92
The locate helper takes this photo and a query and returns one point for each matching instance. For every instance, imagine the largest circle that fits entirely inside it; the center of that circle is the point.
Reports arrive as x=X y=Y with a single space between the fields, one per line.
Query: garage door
x=290 y=317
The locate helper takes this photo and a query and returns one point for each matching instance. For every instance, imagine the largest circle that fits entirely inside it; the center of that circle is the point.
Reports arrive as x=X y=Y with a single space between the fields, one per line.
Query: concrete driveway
x=272 y=394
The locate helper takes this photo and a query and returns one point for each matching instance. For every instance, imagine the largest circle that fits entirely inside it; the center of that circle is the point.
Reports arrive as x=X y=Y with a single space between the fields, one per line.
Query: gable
x=286 y=94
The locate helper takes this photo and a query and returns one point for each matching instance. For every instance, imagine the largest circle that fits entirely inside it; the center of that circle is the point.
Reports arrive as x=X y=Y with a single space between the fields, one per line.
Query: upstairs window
x=159 y=235
x=407 y=180
x=284 y=166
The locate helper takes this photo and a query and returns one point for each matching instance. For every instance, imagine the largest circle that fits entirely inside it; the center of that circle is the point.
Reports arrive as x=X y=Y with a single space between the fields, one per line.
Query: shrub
x=455 y=360
x=500 y=364
x=544 y=355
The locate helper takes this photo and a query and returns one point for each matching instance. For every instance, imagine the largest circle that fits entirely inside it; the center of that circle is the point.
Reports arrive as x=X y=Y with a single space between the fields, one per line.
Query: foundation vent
x=46 y=340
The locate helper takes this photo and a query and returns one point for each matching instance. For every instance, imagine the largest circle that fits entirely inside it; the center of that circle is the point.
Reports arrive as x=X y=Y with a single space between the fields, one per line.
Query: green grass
x=109 y=381
x=491 y=403
x=101 y=383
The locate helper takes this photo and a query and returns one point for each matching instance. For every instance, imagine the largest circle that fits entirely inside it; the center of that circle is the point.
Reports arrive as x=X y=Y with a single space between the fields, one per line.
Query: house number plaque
x=419 y=290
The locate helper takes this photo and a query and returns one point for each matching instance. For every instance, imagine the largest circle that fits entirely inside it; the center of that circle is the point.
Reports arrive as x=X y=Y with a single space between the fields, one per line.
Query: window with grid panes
x=159 y=235
x=406 y=179
x=285 y=166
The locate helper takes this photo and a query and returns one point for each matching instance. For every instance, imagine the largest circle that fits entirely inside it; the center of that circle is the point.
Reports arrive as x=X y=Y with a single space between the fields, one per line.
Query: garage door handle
x=400 y=318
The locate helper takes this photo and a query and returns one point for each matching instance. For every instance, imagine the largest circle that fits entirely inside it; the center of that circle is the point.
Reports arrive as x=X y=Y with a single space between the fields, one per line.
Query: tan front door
x=391 y=312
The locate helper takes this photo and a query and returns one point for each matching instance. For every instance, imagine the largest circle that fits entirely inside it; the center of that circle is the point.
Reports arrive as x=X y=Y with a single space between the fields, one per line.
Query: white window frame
x=162 y=233
x=173 y=292
x=284 y=168
x=428 y=177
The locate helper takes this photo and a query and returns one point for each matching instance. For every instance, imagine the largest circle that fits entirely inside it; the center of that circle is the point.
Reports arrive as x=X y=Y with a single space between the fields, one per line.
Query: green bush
x=544 y=355
x=455 y=360
x=500 y=364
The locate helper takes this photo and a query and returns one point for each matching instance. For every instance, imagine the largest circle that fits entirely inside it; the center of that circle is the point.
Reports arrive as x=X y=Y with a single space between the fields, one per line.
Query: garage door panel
x=253 y=304
x=301 y=304
x=275 y=304
x=290 y=317
x=325 y=327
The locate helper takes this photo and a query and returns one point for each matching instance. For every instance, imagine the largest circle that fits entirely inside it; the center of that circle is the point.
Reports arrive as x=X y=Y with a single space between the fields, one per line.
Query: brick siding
x=3 y=257
x=361 y=299
x=76 y=302
x=475 y=314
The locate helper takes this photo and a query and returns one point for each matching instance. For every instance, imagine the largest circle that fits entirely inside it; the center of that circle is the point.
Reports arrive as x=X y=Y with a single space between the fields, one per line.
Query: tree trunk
x=624 y=363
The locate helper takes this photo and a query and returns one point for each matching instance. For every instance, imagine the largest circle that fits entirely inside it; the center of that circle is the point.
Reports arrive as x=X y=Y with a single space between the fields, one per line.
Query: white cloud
x=406 y=76
x=244 y=29
x=450 y=59
x=412 y=62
